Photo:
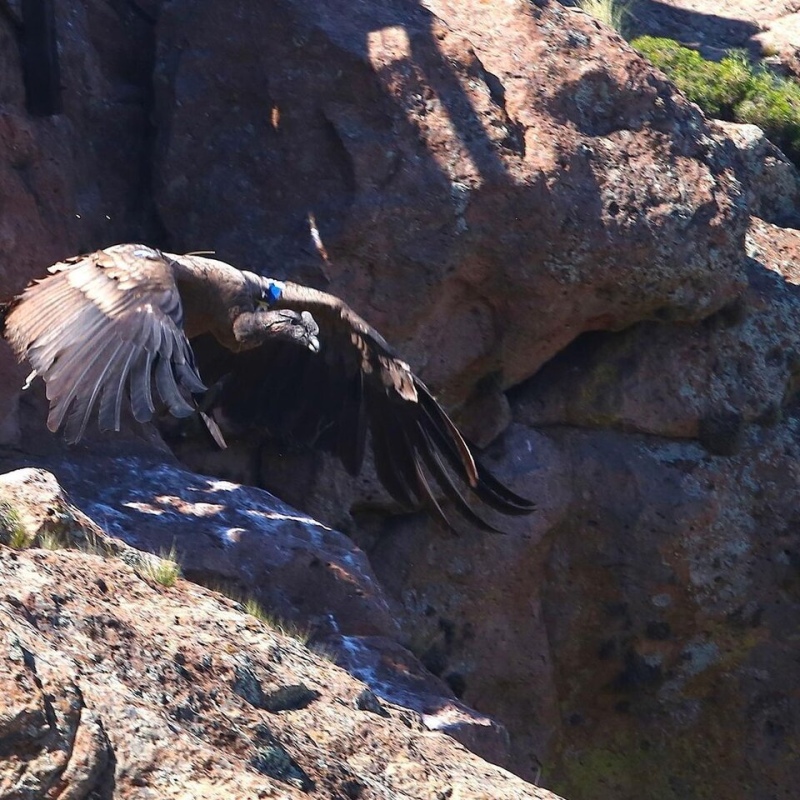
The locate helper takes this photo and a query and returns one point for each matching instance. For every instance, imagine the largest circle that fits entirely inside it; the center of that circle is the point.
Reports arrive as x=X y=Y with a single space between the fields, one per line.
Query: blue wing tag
x=273 y=293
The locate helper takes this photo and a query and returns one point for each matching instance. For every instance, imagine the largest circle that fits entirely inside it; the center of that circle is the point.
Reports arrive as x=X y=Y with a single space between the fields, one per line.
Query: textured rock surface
x=393 y=674
x=112 y=686
x=677 y=678
x=77 y=178
x=238 y=538
x=510 y=169
x=34 y=507
x=470 y=605
x=715 y=23
x=480 y=215
x=494 y=183
x=640 y=642
x=247 y=544
x=738 y=368
x=771 y=182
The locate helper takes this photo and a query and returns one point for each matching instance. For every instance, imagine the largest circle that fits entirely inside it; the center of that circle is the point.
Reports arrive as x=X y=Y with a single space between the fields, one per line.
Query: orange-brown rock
x=497 y=186
x=114 y=686
x=488 y=180
x=770 y=181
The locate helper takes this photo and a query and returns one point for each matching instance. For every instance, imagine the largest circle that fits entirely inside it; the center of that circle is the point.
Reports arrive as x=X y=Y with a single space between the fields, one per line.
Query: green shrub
x=732 y=89
x=774 y=106
x=715 y=87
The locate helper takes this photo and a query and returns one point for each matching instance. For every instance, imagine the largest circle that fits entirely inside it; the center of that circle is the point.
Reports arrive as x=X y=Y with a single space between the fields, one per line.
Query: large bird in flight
x=278 y=356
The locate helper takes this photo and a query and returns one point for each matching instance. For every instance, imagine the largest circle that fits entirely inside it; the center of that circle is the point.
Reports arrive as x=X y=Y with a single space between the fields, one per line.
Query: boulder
x=637 y=638
x=234 y=538
x=740 y=367
x=301 y=576
x=487 y=180
x=114 y=685
x=770 y=180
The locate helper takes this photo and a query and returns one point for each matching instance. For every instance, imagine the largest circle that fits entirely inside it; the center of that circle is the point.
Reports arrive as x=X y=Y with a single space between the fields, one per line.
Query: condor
x=289 y=360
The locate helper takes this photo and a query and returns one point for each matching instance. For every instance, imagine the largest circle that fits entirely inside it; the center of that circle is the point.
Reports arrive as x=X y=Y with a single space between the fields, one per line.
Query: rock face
x=247 y=544
x=452 y=116
x=70 y=180
x=240 y=540
x=558 y=242
x=114 y=686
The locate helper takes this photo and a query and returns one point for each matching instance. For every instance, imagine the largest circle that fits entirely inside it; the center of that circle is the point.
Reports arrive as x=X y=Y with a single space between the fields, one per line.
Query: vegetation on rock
x=12 y=532
x=733 y=89
x=613 y=13
x=164 y=570
x=255 y=609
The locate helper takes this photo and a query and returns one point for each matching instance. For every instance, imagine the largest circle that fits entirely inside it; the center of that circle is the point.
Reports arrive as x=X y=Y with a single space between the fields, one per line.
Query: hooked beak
x=312 y=331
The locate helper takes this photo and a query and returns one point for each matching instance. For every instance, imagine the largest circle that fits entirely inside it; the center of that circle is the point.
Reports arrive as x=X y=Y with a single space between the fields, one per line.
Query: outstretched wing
x=329 y=400
x=99 y=323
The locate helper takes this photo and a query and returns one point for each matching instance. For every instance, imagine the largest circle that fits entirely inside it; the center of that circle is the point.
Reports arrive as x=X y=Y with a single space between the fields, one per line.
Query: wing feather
x=140 y=387
x=82 y=411
x=64 y=393
x=389 y=468
x=427 y=496
x=169 y=391
x=110 y=324
x=351 y=425
x=429 y=453
x=114 y=389
x=488 y=489
x=354 y=384
x=101 y=323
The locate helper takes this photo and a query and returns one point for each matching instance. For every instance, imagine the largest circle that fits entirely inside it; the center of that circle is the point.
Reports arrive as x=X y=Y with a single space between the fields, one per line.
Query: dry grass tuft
x=254 y=609
x=613 y=13
x=11 y=529
x=163 y=570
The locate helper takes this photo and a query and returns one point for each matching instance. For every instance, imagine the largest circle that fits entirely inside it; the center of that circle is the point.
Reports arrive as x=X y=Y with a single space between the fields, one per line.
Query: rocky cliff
x=117 y=682
x=588 y=273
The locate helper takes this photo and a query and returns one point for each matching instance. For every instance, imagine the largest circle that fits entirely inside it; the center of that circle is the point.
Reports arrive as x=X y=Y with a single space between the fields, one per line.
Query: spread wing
x=355 y=383
x=98 y=324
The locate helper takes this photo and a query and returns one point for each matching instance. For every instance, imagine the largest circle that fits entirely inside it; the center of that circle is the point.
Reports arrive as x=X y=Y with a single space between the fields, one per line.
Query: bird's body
x=288 y=357
x=217 y=298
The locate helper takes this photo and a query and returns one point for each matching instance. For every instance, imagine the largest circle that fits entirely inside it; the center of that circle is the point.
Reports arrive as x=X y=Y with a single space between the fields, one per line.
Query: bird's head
x=302 y=328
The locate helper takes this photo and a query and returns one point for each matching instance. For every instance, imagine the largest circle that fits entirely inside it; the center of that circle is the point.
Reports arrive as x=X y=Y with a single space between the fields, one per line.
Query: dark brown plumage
x=121 y=318
x=124 y=316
